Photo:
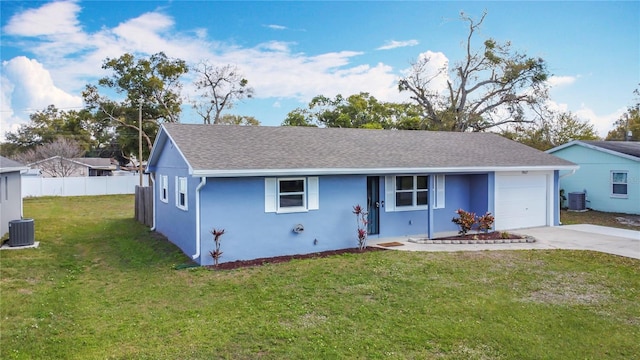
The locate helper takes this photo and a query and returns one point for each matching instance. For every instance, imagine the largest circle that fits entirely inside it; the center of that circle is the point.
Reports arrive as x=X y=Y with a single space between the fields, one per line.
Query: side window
x=286 y=195
x=619 y=184
x=164 y=188
x=181 y=193
x=292 y=194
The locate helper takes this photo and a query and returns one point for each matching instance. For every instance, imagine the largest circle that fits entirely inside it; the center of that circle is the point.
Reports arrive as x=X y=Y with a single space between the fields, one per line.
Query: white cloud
x=56 y=18
x=436 y=69
x=276 y=27
x=27 y=86
x=392 y=44
x=602 y=123
x=555 y=81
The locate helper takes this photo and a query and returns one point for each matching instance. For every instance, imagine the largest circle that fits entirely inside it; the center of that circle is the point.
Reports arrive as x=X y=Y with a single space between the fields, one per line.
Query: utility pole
x=140 y=140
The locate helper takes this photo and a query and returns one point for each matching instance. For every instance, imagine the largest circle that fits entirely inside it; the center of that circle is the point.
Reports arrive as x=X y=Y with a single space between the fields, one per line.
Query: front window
x=291 y=193
x=412 y=191
x=619 y=184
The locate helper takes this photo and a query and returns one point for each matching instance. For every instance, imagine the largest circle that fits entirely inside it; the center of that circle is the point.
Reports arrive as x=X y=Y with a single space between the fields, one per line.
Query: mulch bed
x=285 y=258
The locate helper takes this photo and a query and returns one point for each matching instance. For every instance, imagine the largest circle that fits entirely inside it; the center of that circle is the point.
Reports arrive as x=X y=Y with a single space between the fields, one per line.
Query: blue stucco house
x=261 y=183
x=609 y=174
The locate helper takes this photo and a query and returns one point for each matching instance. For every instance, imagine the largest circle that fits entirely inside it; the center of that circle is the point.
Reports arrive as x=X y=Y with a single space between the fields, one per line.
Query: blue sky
x=292 y=51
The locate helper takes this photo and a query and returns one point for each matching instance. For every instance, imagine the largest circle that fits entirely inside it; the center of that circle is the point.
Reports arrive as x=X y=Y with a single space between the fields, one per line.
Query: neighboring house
x=260 y=183
x=10 y=192
x=609 y=173
x=58 y=166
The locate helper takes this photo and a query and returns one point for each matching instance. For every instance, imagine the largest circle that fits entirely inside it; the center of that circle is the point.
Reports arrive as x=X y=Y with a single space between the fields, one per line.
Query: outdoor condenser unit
x=21 y=232
x=577 y=201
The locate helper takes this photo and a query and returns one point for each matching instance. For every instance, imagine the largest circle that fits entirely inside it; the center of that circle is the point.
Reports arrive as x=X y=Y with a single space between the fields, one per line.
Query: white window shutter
x=177 y=191
x=439 y=192
x=313 y=202
x=389 y=193
x=270 y=193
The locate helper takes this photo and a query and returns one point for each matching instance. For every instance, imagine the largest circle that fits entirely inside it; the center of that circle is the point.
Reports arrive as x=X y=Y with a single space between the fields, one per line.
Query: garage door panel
x=521 y=181
x=521 y=201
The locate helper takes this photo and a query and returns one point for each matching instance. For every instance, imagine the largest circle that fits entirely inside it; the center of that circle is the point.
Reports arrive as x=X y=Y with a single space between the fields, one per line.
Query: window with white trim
x=181 y=193
x=164 y=188
x=292 y=194
x=285 y=195
x=411 y=192
x=619 y=184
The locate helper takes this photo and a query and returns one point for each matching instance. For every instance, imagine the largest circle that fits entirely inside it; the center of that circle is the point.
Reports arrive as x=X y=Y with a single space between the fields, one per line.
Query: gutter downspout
x=203 y=182
x=567 y=174
x=152 y=179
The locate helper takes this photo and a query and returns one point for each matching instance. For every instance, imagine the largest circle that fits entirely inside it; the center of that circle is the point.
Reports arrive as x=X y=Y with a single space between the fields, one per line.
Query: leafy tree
x=151 y=85
x=47 y=125
x=356 y=111
x=298 y=117
x=629 y=121
x=491 y=86
x=220 y=87
x=228 y=119
x=547 y=134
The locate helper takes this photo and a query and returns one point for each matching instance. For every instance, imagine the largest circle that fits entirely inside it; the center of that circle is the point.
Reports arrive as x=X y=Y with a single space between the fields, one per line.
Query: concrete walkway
x=573 y=237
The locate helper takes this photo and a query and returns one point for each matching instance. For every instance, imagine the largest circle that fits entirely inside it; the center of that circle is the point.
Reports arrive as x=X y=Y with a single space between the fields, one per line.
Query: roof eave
x=162 y=137
x=593 y=147
x=376 y=171
x=14 y=169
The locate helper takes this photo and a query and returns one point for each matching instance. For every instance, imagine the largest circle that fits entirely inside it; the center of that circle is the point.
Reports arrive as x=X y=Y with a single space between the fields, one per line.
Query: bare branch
x=220 y=87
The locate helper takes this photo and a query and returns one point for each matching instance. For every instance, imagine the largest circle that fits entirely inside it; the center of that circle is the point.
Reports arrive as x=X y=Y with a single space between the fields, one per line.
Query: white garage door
x=521 y=200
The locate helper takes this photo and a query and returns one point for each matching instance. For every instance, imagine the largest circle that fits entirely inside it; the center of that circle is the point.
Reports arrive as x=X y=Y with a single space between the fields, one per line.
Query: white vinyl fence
x=80 y=186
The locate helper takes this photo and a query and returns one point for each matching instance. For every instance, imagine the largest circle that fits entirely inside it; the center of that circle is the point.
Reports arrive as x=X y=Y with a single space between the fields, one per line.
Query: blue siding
x=401 y=223
x=237 y=205
x=594 y=176
x=467 y=192
x=176 y=224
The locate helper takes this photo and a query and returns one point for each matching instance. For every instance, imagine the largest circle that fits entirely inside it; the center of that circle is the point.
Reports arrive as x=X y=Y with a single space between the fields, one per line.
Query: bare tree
x=54 y=158
x=220 y=87
x=491 y=86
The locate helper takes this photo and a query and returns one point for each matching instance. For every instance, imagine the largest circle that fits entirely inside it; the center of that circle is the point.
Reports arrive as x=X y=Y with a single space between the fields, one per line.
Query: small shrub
x=485 y=222
x=361 y=219
x=505 y=235
x=216 y=254
x=465 y=221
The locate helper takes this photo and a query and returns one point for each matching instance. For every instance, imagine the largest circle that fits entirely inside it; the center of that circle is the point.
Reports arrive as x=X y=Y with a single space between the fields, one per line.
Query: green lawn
x=598 y=218
x=102 y=286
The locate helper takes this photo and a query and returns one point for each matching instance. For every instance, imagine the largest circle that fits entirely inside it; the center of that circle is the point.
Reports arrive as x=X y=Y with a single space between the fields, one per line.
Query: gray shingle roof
x=624 y=147
x=228 y=147
x=7 y=165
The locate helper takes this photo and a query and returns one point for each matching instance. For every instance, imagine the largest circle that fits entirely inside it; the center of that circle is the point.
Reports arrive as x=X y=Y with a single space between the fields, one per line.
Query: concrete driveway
x=573 y=237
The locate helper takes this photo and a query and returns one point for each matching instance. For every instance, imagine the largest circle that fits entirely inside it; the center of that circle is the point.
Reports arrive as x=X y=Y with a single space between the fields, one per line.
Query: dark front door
x=373 y=204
